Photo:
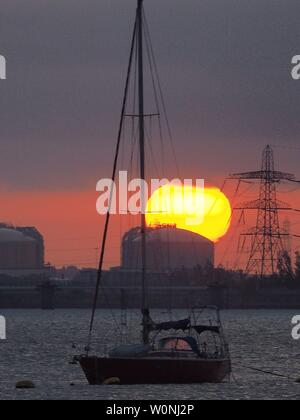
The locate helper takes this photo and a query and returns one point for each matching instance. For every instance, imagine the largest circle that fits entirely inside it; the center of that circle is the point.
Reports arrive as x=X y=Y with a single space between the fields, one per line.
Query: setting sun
x=206 y=212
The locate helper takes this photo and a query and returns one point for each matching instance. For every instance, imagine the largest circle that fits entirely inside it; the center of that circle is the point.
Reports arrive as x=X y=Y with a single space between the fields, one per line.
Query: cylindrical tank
x=17 y=251
x=168 y=249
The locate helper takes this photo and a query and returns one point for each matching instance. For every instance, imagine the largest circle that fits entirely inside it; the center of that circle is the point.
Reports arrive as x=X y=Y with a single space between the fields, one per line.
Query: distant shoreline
x=160 y=298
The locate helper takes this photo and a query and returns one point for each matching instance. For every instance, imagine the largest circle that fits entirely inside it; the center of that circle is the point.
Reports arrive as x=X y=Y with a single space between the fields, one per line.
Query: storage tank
x=33 y=233
x=168 y=249
x=18 y=251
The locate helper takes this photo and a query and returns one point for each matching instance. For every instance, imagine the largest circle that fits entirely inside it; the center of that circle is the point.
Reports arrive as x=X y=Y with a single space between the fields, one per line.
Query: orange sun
x=206 y=212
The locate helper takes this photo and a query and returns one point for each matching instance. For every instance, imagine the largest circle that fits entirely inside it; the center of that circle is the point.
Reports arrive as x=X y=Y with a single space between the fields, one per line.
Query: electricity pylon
x=267 y=237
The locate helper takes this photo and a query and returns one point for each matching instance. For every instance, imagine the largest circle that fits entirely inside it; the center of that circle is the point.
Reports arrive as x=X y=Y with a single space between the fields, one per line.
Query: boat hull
x=132 y=371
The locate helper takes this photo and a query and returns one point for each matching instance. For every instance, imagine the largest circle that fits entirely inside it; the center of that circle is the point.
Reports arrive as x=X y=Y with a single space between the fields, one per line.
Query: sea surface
x=39 y=347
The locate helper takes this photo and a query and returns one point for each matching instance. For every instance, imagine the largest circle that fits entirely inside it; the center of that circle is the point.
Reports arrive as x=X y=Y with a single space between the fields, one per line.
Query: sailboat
x=178 y=352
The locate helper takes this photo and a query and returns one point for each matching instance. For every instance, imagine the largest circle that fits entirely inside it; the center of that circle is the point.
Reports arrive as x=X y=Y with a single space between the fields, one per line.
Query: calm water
x=39 y=347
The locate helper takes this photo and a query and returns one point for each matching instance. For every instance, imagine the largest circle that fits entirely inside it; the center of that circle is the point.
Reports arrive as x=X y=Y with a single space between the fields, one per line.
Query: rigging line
x=279 y=375
x=134 y=129
x=134 y=89
x=151 y=70
x=151 y=128
x=105 y=233
x=155 y=95
x=151 y=151
x=104 y=293
x=133 y=146
x=162 y=98
x=161 y=137
x=122 y=166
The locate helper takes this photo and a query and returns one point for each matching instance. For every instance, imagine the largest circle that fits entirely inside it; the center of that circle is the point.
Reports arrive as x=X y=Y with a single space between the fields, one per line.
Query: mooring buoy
x=112 y=381
x=25 y=385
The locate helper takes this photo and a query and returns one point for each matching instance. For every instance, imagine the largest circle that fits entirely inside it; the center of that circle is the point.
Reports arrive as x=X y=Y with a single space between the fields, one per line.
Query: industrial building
x=168 y=249
x=21 y=250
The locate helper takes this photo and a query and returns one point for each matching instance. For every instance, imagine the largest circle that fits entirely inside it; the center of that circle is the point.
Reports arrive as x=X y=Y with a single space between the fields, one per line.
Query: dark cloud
x=225 y=68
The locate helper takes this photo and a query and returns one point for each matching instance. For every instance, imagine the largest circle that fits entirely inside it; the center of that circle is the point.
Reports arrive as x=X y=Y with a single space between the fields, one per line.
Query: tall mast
x=106 y=227
x=145 y=308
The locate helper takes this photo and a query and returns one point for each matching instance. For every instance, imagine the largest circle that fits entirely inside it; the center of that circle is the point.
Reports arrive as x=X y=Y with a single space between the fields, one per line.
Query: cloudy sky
x=225 y=67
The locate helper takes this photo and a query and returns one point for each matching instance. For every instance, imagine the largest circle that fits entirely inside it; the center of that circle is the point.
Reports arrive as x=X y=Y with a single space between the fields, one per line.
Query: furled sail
x=206 y=328
x=184 y=325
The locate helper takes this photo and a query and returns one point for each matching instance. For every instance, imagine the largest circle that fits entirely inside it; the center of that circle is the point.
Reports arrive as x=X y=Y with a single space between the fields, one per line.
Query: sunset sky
x=225 y=68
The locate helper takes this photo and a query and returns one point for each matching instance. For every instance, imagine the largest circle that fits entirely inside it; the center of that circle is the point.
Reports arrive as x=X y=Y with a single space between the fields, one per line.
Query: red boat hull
x=132 y=371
